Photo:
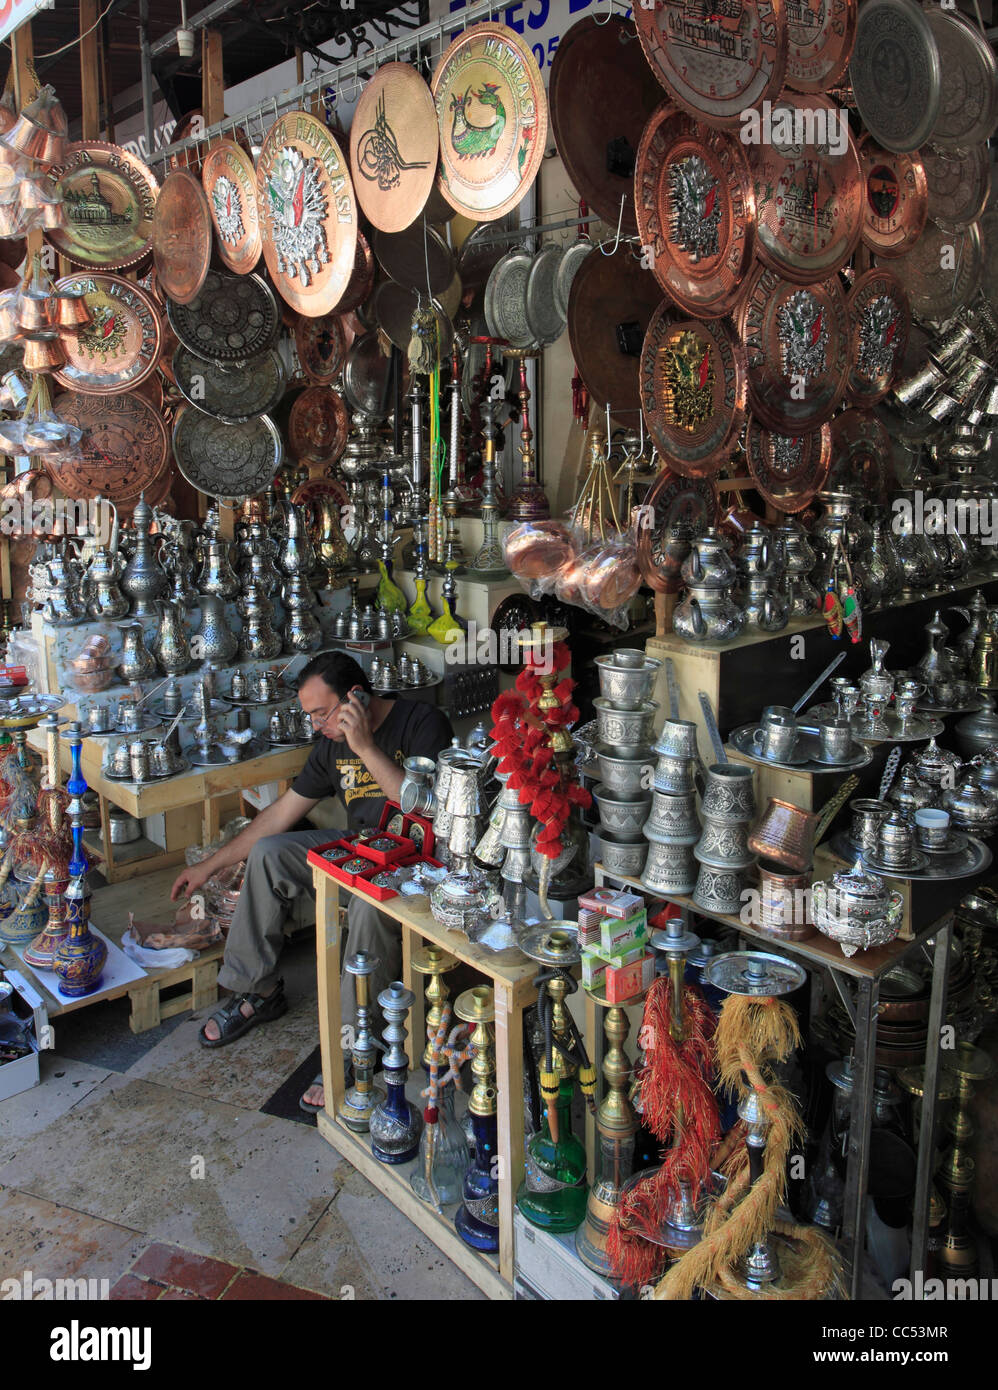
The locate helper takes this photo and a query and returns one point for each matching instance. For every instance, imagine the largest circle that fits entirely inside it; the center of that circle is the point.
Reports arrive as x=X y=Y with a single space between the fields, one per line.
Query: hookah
x=477 y=1219
x=80 y=958
x=528 y=502
x=420 y=612
x=489 y=561
x=390 y=597
x=363 y=1097
x=39 y=845
x=395 y=1124
x=443 y=1152
x=958 y=1254
x=453 y=554
x=41 y=952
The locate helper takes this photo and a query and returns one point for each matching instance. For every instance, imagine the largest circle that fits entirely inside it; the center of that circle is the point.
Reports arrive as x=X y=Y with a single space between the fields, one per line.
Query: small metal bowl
x=626 y=777
x=623 y=816
x=620 y=856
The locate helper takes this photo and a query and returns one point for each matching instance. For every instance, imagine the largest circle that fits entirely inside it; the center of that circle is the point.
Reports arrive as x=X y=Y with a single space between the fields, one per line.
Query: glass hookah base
x=474 y=1232
x=384 y=1157
x=564 y=1210
x=448 y=1183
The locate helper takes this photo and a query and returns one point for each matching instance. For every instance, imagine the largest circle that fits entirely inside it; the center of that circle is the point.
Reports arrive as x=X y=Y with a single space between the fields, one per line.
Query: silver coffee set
x=407 y=673
x=368 y=624
x=625 y=717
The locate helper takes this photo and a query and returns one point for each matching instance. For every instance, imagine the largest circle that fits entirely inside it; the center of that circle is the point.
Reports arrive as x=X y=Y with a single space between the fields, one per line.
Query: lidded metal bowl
x=627 y=677
x=856 y=909
x=625 y=728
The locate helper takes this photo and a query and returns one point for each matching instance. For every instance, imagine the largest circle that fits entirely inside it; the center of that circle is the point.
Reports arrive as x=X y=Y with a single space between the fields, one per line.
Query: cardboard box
x=599 y=899
x=620 y=934
x=630 y=980
x=24 y=1073
x=627 y=956
x=594 y=969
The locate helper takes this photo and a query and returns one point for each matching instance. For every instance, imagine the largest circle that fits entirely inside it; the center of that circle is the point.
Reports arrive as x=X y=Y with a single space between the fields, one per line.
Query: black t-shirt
x=411 y=729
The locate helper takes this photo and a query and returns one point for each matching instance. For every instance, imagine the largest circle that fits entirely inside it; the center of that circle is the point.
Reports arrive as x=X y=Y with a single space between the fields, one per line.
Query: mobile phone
x=361 y=696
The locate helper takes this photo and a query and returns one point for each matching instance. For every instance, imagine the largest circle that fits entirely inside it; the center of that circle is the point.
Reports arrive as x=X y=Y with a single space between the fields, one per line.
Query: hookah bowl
x=477 y=1219
x=395 y=1124
x=363 y=1097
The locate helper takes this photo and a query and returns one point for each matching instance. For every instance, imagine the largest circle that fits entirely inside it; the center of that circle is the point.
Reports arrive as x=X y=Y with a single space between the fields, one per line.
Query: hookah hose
x=576 y=1053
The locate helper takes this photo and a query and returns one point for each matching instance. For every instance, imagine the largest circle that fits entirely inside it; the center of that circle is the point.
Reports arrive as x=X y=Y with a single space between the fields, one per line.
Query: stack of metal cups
x=625 y=719
x=727 y=808
x=672 y=828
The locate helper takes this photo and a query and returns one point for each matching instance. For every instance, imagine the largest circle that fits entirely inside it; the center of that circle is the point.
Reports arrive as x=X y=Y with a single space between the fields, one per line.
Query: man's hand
x=190 y=880
x=355 y=721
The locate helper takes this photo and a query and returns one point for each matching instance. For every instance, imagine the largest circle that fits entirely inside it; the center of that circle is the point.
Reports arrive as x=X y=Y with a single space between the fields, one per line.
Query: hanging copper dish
x=418 y=258
x=361 y=281
x=862 y=457
x=367 y=376
x=676 y=510
x=942 y=271
x=316 y=489
x=234 y=392
x=181 y=236
x=232 y=318
x=609 y=309
x=492 y=118
x=321 y=345
x=123 y=451
x=809 y=196
x=896 y=203
x=696 y=210
x=894 y=73
x=959 y=184
x=693 y=390
x=717 y=63
x=880 y=321
x=229 y=182
x=394 y=146
x=109 y=198
x=601 y=93
x=318 y=426
x=119 y=348
x=151 y=390
x=223 y=460
x=820 y=42
x=968 y=106
x=308 y=214
x=789 y=470
x=797 y=340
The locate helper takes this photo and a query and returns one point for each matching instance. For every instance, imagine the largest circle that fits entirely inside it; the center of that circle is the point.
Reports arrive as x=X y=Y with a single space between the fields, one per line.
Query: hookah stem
x=677 y=969
x=434 y=476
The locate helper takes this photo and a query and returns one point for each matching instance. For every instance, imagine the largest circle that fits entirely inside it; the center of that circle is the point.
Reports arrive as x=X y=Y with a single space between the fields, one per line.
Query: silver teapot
x=143 y=580
x=214 y=639
x=136 y=662
x=709 y=564
x=171 y=647
x=708 y=614
x=765 y=611
x=217 y=578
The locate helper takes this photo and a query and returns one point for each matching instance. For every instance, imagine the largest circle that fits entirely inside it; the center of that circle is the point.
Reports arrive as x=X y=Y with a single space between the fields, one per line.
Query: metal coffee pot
x=136 y=662
x=215 y=639
x=217 y=577
x=258 y=640
x=301 y=631
x=765 y=610
x=758 y=557
x=172 y=649
x=297 y=554
x=709 y=564
x=266 y=687
x=708 y=614
x=144 y=580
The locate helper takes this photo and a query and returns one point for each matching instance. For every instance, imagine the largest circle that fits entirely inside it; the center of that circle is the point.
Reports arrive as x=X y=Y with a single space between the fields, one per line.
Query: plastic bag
x=154 y=960
x=537 y=551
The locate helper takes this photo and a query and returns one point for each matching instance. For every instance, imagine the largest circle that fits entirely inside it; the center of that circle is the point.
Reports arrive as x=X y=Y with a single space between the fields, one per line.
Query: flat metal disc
x=367 y=377
x=862 y=457
x=895 y=73
x=571 y=263
x=233 y=393
x=232 y=318
x=321 y=345
x=394 y=146
x=609 y=309
x=880 y=321
x=418 y=258
x=318 y=426
x=969 y=81
x=479 y=254
x=820 y=44
x=395 y=305
x=896 y=199
x=943 y=271
x=223 y=460
x=229 y=181
x=789 y=470
x=537 y=943
x=123 y=452
x=672 y=499
x=959 y=183
x=119 y=348
x=544 y=317
x=110 y=199
x=181 y=236
x=506 y=300
x=755 y=973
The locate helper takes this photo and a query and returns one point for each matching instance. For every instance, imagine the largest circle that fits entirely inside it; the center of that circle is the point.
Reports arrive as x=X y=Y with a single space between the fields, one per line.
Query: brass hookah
x=489 y=560
x=363 y=1098
x=529 y=501
x=957 y=1172
x=41 y=952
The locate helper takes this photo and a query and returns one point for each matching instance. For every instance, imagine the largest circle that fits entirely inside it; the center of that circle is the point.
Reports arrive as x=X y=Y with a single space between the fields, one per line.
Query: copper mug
x=784 y=904
x=785 y=835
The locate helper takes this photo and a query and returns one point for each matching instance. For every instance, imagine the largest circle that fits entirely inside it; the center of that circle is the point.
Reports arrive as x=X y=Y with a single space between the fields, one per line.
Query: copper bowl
x=539 y=549
x=610 y=579
x=571 y=576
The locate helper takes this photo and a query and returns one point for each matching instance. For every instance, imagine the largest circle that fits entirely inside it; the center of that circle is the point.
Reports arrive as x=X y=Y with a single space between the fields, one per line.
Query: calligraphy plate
x=181 y=236
x=968 y=104
x=895 y=73
x=610 y=306
x=959 y=183
x=318 y=426
x=942 y=271
x=224 y=460
x=820 y=44
x=321 y=344
x=232 y=318
x=492 y=118
x=235 y=392
x=119 y=348
x=880 y=321
x=109 y=198
x=394 y=147
x=308 y=213
x=671 y=500
x=896 y=199
x=125 y=447
x=693 y=390
x=229 y=181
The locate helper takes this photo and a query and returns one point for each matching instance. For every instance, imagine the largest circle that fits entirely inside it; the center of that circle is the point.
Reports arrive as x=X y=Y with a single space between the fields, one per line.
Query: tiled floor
x=145 y=1161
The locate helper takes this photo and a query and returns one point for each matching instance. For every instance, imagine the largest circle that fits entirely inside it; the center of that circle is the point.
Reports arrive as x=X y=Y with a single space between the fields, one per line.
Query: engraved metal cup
x=138 y=760
x=897 y=840
x=932 y=827
x=917 y=388
x=835 y=740
x=628 y=777
x=776 y=737
x=670 y=868
x=120 y=760
x=724 y=845
x=728 y=793
x=947 y=349
x=678 y=739
x=674 y=775
x=673 y=819
x=867 y=817
x=718 y=890
x=621 y=729
x=621 y=816
x=626 y=678
x=626 y=857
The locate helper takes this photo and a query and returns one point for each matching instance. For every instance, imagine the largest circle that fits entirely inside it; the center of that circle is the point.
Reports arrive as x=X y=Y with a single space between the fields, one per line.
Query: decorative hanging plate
x=480 y=253
x=671 y=500
x=942 y=271
x=609 y=309
x=880 y=321
x=506 y=300
x=895 y=73
x=797 y=340
x=109 y=198
x=862 y=457
x=571 y=264
x=544 y=316
x=308 y=214
x=367 y=377
x=716 y=63
x=808 y=192
x=959 y=183
x=696 y=210
x=968 y=106
x=124 y=448
x=120 y=346
x=361 y=280
x=395 y=308
x=693 y=390
x=601 y=93
x=394 y=146
x=896 y=199
x=229 y=181
x=232 y=393
x=318 y=426
x=321 y=345
x=181 y=236
x=492 y=117
x=233 y=317
x=820 y=44
x=318 y=488
x=223 y=460
x=789 y=470
x=418 y=258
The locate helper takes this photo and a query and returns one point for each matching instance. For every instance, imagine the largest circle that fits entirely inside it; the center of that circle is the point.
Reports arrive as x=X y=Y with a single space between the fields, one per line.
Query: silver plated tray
x=283 y=696
x=808 y=746
x=941 y=711
x=231 y=392
x=219 y=705
x=545 y=318
x=919 y=861
x=918 y=730
x=571 y=262
x=506 y=300
x=224 y=460
x=286 y=743
x=956 y=842
x=254 y=748
x=231 y=318
x=367 y=377
x=894 y=72
x=149 y=721
x=974 y=859
x=153 y=776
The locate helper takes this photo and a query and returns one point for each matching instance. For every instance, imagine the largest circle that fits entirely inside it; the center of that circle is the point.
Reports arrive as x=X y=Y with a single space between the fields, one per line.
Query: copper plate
x=308 y=215
x=191 y=123
x=880 y=321
x=119 y=348
x=492 y=117
x=125 y=447
x=367 y=377
x=959 y=183
x=361 y=281
x=942 y=271
x=797 y=340
x=894 y=73
x=601 y=92
x=321 y=345
x=969 y=81
x=318 y=426
x=671 y=499
x=109 y=198
x=233 y=317
x=226 y=460
x=820 y=44
x=789 y=470
x=181 y=236
x=896 y=203
x=233 y=392
x=808 y=196
x=696 y=210
x=609 y=309
x=418 y=258
x=318 y=488
x=394 y=147
x=229 y=181
x=693 y=390
x=716 y=62
x=862 y=458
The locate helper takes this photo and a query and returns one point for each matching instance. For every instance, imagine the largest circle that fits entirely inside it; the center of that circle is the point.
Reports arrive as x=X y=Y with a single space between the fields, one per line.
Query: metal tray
x=974 y=859
x=809 y=746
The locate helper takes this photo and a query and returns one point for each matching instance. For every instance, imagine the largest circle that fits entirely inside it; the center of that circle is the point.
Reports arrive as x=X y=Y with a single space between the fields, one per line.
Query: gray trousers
x=278 y=872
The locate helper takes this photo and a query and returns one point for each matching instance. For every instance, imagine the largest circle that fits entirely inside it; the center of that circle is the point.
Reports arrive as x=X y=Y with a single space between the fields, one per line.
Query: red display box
x=332 y=866
x=424 y=840
x=403 y=849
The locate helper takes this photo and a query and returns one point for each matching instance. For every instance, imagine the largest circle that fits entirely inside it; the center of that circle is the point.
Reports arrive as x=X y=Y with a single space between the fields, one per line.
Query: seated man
x=364 y=740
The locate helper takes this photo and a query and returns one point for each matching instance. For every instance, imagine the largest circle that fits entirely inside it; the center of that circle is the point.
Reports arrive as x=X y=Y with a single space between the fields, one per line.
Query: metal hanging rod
x=529 y=229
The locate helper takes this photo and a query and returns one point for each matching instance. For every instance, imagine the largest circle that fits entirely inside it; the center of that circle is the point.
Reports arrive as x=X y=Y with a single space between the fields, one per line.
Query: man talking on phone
x=359 y=755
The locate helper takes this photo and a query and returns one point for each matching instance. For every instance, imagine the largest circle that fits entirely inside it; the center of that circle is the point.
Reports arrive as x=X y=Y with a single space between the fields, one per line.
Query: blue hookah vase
x=79 y=961
x=396 y=1123
x=477 y=1219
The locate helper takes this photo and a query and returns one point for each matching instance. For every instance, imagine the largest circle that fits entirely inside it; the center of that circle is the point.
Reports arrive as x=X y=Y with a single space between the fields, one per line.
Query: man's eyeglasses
x=320 y=717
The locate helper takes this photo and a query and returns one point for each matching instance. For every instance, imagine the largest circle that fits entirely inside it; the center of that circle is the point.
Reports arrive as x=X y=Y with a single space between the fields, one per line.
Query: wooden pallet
x=149 y=1008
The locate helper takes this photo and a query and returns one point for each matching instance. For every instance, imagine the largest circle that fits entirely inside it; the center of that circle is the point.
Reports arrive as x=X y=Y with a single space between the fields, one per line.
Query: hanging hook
x=620 y=223
x=609 y=16
x=641 y=433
